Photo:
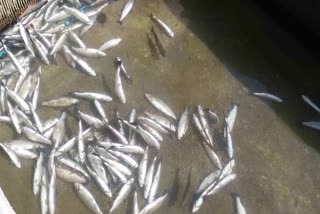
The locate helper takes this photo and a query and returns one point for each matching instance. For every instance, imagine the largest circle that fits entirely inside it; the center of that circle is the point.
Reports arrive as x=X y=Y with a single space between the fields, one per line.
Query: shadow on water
x=253 y=46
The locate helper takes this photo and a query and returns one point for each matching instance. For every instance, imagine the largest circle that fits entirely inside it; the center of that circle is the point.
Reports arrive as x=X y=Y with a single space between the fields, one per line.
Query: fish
x=160 y=105
x=92 y=96
x=149 y=178
x=104 y=187
x=69 y=176
x=135 y=205
x=238 y=208
x=153 y=206
x=126 y=10
x=158 y=42
x=26 y=38
x=205 y=124
x=118 y=88
x=268 y=96
x=87 y=198
x=34 y=136
x=122 y=195
x=14 y=60
x=13 y=157
x=81 y=146
x=311 y=103
x=209 y=179
x=75 y=39
x=37 y=176
x=155 y=184
x=123 y=70
x=58 y=45
x=77 y=14
x=222 y=183
x=153 y=124
x=83 y=65
x=231 y=118
x=200 y=129
x=44 y=191
x=110 y=44
x=88 y=52
x=312 y=124
x=52 y=191
x=36 y=118
x=163 y=26
x=183 y=124
x=100 y=110
x=164 y=122
x=61 y=102
x=229 y=141
x=14 y=118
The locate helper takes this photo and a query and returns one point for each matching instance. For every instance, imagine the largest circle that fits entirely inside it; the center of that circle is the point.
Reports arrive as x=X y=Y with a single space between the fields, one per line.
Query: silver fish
x=58 y=17
x=222 y=183
x=91 y=120
x=311 y=103
x=24 y=144
x=166 y=123
x=89 y=52
x=93 y=96
x=125 y=158
x=268 y=96
x=204 y=124
x=37 y=176
x=149 y=179
x=87 y=198
x=126 y=10
x=153 y=124
x=153 y=132
x=209 y=179
x=77 y=14
x=118 y=86
x=100 y=110
x=117 y=134
x=26 y=38
x=229 y=143
x=58 y=45
x=160 y=105
x=163 y=26
x=26 y=154
x=15 y=61
x=59 y=130
x=19 y=101
x=135 y=206
x=14 y=118
x=13 y=157
x=122 y=195
x=36 y=118
x=67 y=56
x=183 y=124
x=110 y=44
x=83 y=65
x=52 y=191
x=312 y=124
x=239 y=208
x=199 y=127
x=149 y=138
x=155 y=184
x=231 y=118
x=34 y=136
x=44 y=192
x=100 y=182
x=75 y=39
x=153 y=206
x=122 y=168
x=61 y=102
x=81 y=148
x=72 y=165
x=122 y=178
x=69 y=176
x=214 y=158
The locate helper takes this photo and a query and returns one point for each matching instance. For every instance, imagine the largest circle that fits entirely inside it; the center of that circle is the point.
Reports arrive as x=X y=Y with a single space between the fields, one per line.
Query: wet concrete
x=277 y=162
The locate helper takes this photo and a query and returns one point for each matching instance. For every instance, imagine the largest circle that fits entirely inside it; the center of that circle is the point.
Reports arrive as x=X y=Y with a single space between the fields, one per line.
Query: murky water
x=217 y=57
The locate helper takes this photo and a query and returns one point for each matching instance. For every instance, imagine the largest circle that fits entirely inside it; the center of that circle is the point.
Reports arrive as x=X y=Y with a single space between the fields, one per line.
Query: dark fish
x=173 y=193
x=158 y=42
x=152 y=46
x=186 y=191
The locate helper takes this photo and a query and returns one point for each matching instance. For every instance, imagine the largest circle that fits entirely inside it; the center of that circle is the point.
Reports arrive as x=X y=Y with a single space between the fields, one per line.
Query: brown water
x=277 y=164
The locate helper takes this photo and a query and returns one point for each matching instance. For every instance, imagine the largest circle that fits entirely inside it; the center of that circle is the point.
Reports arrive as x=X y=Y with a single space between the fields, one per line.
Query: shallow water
x=219 y=54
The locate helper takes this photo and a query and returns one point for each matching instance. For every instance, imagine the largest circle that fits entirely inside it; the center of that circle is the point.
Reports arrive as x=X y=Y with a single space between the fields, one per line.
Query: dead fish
x=212 y=116
x=91 y=120
x=37 y=176
x=81 y=148
x=214 y=158
x=36 y=118
x=126 y=10
x=123 y=70
x=186 y=191
x=52 y=191
x=88 y=52
x=160 y=105
x=87 y=198
x=200 y=129
x=149 y=179
x=14 y=60
x=110 y=44
x=24 y=144
x=34 y=136
x=83 y=65
x=44 y=191
x=142 y=170
x=209 y=179
x=69 y=176
x=13 y=157
x=77 y=14
x=205 y=124
x=163 y=121
x=14 y=118
x=135 y=206
x=222 y=183
x=164 y=27
x=58 y=45
x=183 y=124
x=122 y=195
x=231 y=118
x=93 y=96
x=101 y=183
x=19 y=101
x=61 y=102
x=26 y=154
x=148 y=138
x=153 y=124
x=311 y=103
x=155 y=184
x=26 y=38
x=158 y=42
x=312 y=124
x=239 y=208
x=268 y=96
x=75 y=39
x=153 y=206
x=118 y=86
